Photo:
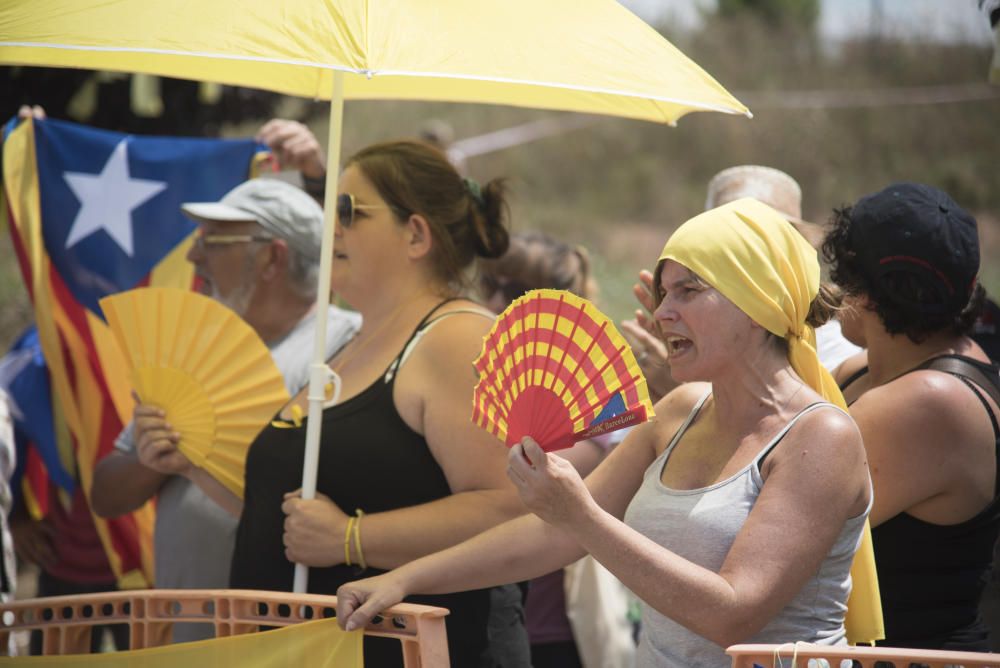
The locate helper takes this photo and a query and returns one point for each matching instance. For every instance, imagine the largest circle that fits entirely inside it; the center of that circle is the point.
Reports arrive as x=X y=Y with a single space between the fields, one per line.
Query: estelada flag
x=41 y=463
x=92 y=213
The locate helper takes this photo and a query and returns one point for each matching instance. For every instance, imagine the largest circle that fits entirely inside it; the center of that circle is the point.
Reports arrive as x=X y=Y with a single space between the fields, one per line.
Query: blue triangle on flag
x=615 y=406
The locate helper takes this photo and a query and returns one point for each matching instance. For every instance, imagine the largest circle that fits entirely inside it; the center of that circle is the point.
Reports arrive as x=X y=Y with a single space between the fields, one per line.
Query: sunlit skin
x=699 y=325
x=850 y=321
x=375 y=235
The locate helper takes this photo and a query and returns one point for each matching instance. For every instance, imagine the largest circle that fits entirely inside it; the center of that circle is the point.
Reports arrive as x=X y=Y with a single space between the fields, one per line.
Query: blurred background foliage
x=797 y=13
x=843 y=118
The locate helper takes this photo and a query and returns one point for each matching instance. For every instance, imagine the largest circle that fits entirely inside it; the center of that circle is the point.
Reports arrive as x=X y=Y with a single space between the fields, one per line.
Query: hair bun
x=493 y=239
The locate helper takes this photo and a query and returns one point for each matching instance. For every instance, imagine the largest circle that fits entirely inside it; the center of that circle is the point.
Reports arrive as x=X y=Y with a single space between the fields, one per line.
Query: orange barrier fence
x=66 y=621
x=805 y=655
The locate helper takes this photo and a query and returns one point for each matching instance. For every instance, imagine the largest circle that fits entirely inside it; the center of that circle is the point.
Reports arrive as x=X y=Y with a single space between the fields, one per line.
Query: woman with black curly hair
x=925 y=398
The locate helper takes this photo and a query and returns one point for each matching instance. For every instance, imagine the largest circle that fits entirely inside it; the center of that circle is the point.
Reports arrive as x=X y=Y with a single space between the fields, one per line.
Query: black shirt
x=371 y=460
x=931 y=575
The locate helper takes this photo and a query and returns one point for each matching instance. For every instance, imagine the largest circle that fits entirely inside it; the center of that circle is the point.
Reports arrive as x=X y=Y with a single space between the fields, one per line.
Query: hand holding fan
x=205 y=367
x=555 y=368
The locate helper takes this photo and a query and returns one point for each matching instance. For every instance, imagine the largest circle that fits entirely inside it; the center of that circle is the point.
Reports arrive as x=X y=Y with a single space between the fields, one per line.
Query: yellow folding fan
x=205 y=367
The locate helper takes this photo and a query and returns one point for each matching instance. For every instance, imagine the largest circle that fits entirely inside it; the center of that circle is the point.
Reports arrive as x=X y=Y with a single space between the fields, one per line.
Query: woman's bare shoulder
x=920 y=403
x=828 y=427
x=674 y=408
x=451 y=342
x=457 y=321
x=681 y=400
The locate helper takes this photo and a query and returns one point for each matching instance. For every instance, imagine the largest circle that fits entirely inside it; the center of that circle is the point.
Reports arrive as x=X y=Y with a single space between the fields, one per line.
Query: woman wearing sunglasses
x=403 y=472
x=736 y=513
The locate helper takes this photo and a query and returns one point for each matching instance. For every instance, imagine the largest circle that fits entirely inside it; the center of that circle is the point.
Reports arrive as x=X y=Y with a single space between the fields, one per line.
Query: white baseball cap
x=282 y=209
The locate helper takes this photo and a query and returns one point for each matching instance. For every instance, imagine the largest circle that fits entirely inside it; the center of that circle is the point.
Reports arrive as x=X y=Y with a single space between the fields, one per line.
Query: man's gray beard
x=239 y=299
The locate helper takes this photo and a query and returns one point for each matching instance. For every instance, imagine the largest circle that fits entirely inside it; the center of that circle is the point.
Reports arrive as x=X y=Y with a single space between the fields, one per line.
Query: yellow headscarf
x=754 y=257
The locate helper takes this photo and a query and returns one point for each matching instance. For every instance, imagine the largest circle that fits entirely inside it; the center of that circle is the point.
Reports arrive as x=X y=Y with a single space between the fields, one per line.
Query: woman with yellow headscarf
x=736 y=513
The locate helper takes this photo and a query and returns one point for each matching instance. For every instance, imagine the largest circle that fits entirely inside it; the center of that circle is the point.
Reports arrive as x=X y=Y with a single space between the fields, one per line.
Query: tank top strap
x=426 y=324
x=430 y=314
x=853 y=377
x=687 y=423
x=983 y=381
x=766 y=450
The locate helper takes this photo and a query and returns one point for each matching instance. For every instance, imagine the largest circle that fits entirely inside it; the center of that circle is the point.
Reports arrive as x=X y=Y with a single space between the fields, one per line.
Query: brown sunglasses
x=346 y=206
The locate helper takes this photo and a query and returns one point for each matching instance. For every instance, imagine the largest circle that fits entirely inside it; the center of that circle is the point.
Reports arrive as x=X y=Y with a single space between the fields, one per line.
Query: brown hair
x=825 y=306
x=534 y=261
x=466 y=221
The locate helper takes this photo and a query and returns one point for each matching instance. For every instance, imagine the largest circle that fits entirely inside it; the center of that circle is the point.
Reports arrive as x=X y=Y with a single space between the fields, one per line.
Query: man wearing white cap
x=257 y=252
x=782 y=193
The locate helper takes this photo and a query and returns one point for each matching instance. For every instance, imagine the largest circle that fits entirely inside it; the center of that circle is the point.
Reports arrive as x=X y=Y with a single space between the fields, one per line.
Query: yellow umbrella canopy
x=591 y=56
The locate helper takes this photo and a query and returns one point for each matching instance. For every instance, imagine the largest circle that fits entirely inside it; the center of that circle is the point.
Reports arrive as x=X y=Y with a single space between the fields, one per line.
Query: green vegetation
x=800 y=13
x=619 y=187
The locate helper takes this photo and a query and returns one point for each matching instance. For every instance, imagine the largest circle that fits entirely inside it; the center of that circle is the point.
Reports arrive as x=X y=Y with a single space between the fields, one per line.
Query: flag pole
x=319 y=372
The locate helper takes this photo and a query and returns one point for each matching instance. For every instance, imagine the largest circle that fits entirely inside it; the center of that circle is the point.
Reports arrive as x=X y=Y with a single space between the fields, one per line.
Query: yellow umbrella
x=590 y=56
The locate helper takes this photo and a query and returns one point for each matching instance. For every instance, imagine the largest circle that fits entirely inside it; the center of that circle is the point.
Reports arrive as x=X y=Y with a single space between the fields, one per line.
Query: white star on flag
x=107 y=200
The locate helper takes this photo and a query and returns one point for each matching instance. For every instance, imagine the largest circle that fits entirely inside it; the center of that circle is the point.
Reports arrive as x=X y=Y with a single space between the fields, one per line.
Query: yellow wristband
x=357 y=539
x=347 y=541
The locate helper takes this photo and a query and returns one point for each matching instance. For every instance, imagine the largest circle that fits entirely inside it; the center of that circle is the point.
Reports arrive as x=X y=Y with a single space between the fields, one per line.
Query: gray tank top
x=700 y=525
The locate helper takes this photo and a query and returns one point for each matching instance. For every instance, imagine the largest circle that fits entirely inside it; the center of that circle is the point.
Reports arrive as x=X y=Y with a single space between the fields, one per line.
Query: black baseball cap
x=914 y=228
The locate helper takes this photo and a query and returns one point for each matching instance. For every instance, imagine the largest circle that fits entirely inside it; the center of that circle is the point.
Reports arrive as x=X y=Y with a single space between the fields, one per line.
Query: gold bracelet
x=347 y=541
x=357 y=539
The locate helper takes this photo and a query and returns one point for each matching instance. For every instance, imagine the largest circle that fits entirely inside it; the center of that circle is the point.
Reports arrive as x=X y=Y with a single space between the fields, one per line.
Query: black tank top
x=931 y=576
x=369 y=459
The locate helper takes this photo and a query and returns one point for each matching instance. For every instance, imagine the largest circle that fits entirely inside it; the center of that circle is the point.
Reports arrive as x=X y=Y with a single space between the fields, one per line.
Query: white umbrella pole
x=319 y=372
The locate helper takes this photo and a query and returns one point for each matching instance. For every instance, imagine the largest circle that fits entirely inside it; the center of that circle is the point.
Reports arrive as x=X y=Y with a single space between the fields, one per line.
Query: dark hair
x=416 y=178
x=535 y=260
x=896 y=296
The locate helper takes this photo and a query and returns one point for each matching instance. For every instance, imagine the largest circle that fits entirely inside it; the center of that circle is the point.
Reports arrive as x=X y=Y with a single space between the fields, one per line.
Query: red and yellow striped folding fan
x=555 y=368
x=205 y=367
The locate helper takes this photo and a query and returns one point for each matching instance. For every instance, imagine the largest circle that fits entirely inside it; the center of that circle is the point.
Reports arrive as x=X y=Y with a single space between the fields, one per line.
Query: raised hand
x=643 y=291
x=643 y=334
x=294 y=147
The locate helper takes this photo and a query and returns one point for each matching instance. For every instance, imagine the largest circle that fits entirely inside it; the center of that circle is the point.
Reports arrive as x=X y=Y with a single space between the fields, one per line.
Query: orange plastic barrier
x=806 y=655
x=66 y=621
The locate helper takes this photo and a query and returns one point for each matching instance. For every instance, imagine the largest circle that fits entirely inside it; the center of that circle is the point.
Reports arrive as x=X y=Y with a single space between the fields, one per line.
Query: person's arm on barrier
x=520 y=549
